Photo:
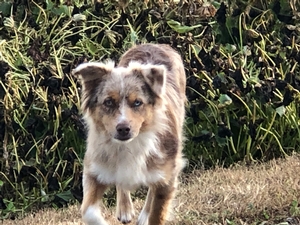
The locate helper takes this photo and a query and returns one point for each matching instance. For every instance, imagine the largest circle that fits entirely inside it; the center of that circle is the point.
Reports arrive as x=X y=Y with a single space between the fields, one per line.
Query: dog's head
x=121 y=100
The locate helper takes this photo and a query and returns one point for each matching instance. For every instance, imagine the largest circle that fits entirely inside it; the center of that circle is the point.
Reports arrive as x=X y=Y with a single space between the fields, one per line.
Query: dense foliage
x=242 y=63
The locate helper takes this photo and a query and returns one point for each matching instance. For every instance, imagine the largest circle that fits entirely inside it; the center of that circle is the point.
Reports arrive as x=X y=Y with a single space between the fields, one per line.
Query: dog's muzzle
x=123 y=132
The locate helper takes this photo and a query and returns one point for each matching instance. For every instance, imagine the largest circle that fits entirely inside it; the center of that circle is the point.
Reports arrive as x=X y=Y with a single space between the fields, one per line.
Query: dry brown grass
x=240 y=195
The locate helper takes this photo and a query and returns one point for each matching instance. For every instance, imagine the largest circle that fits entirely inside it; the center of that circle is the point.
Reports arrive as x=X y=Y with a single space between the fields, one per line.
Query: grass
x=266 y=193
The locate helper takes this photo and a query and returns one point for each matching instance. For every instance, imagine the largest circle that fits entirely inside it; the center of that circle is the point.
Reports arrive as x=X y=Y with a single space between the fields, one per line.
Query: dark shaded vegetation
x=241 y=59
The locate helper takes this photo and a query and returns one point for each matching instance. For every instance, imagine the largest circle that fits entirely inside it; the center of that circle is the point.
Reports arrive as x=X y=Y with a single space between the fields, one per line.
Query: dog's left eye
x=109 y=102
x=137 y=103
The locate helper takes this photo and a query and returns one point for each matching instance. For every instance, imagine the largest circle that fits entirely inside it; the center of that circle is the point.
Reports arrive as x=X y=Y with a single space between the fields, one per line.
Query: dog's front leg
x=162 y=199
x=144 y=215
x=92 y=194
x=156 y=208
x=125 y=210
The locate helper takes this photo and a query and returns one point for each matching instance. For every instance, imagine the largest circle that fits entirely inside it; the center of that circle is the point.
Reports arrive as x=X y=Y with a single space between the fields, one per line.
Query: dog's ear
x=155 y=77
x=92 y=71
x=91 y=76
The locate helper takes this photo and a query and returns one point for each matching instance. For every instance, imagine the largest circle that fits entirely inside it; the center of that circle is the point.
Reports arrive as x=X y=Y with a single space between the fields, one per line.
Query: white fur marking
x=109 y=65
x=122 y=117
x=93 y=216
x=122 y=84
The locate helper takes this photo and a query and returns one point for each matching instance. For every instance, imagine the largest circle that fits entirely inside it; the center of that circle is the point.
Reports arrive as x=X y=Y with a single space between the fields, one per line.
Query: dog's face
x=121 y=100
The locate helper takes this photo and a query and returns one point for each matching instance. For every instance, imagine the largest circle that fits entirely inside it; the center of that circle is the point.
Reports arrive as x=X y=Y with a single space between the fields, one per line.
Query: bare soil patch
x=265 y=193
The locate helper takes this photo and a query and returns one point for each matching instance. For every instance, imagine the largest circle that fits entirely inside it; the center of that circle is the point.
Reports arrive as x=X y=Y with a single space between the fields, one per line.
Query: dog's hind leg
x=90 y=207
x=125 y=210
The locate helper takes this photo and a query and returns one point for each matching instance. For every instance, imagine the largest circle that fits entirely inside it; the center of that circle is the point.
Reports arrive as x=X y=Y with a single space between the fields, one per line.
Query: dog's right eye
x=109 y=102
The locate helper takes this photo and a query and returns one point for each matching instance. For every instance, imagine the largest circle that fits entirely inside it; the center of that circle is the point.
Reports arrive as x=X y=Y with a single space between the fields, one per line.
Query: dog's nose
x=123 y=130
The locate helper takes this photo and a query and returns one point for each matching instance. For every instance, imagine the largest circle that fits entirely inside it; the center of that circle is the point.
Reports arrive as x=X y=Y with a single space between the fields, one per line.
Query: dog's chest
x=128 y=169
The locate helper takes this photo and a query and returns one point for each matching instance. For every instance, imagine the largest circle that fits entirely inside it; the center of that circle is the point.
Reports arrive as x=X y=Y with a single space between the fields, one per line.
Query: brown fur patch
x=149 y=53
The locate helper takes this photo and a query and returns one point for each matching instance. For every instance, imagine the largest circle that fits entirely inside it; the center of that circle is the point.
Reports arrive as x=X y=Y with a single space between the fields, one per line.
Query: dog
x=134 y=113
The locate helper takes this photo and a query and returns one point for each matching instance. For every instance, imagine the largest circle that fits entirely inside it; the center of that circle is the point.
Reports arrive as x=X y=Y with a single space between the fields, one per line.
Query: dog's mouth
x=123 y=139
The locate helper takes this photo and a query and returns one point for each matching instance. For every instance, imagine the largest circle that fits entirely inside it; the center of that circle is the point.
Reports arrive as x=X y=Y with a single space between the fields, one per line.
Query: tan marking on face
x=115 y=95
x=138 y=118
x=132 y=98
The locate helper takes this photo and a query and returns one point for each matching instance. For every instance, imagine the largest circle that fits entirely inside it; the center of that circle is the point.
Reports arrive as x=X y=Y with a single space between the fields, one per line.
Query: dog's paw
x=143 y=218
x=125 y=214
x=92 y=216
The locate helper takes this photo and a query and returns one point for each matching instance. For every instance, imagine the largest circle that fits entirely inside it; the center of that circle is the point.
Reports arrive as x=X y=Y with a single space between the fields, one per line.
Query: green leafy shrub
x=242 y=66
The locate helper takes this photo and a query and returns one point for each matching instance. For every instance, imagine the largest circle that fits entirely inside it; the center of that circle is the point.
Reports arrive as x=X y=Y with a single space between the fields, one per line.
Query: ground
x=263 y=193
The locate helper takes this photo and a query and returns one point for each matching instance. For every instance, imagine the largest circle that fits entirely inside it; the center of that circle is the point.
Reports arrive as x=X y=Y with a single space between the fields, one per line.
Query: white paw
x=143 y=218
x=124 y=214
x=92 y=216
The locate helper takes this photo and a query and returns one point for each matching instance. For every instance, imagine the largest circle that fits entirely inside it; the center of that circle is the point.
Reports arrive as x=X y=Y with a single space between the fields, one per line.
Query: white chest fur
x=125 y=164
